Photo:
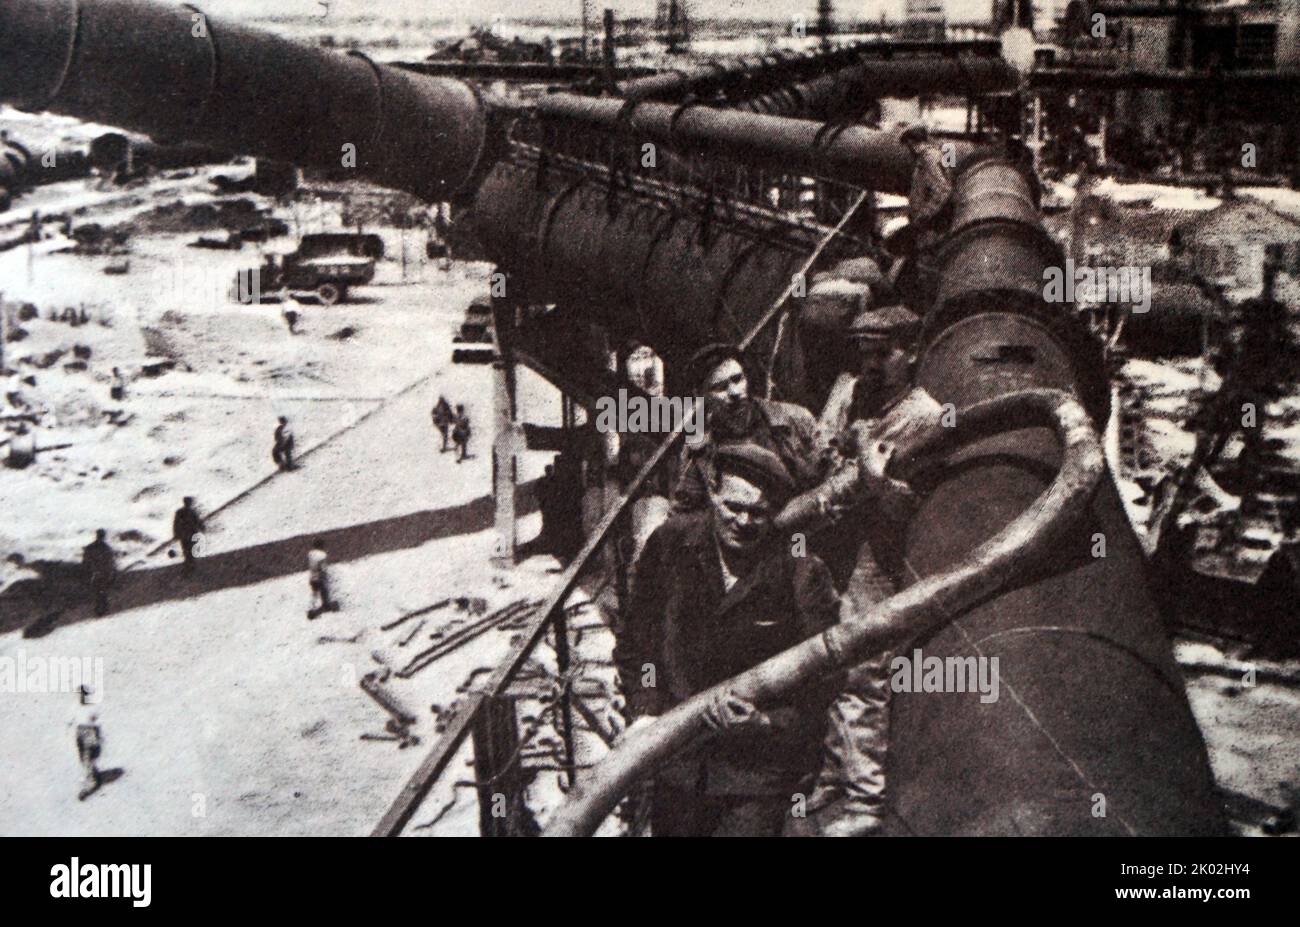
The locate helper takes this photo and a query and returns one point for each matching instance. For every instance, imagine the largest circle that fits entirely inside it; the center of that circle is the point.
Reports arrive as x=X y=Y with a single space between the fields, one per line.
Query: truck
x=324 y=266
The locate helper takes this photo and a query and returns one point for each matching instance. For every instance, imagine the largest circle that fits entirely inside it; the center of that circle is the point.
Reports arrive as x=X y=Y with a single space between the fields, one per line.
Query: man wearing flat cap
x=717 y=593
x=883 y=341
x=883 y=338
x=733 y=415
x=862 y=554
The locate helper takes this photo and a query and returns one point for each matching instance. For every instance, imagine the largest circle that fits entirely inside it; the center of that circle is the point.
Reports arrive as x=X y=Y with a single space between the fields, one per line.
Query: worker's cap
x=755 y=465
x=858 y=270
x=886 y=323
x=916 y=132
x=706 y=360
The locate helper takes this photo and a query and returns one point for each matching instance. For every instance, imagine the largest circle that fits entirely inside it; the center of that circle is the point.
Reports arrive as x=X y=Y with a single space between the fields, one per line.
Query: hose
x=992 y=568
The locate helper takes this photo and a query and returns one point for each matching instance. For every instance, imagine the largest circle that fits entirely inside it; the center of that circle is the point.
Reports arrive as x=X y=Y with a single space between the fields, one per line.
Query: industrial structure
x=684 y=207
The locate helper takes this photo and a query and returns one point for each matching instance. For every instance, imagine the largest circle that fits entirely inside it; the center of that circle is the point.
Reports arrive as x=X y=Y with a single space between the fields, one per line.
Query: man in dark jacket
x=443 y=418
x=186 y=528
x=717 y=593
x=100 y=564
x=460 y=433
x=931 y=187
x=282 y=450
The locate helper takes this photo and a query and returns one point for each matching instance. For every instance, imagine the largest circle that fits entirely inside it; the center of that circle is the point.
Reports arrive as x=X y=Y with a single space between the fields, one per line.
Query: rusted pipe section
x=746 y=77
x=995 y=566
x=847 y=92
x=1093 y=734
x=176 y=74
x=640 y=268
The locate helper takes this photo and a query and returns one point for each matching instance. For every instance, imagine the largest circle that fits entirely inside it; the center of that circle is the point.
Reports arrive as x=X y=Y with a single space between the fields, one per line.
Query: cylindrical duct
x=177 y=74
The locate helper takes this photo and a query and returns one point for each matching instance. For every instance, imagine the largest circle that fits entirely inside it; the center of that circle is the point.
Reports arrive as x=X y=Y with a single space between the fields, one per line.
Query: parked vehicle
x=325 y=266
x=476 y=327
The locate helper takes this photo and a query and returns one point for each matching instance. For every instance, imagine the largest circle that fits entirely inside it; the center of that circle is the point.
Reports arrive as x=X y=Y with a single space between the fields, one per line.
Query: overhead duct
x=175 y=73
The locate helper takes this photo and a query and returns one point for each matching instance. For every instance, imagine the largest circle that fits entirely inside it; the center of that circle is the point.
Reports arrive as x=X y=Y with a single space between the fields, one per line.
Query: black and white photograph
x=651 y=418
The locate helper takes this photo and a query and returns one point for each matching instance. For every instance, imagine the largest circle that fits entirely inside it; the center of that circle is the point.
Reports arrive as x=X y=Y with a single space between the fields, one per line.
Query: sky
x=966 y=10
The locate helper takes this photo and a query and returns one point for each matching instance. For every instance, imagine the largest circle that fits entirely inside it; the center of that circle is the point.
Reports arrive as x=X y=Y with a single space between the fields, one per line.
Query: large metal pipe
x=176 y=74
x=1104 y=740
x=846 y=92
x=640 y=268
x=849 y=154
x=748 y=76
x=1092 y=732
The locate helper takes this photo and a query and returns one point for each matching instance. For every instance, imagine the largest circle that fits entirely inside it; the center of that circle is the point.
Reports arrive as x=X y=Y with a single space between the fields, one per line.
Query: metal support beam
x=508 y=438
x=497 y=772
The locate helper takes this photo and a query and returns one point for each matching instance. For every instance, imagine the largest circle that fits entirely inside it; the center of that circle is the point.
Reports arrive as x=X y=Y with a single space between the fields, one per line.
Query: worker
x=186 y=528
x=460 y=433
x=291 y=320
x=282 y=450
x=883 y=340
x=22 y=448
x=117 y=390
x=927 y=199
x=442 y=228
x=731 y=415
x=717 y=593
x=848 y=798
x=548 y=503
x=90 y=743
x=320 y=581
x=443 y=417
x=100 y=566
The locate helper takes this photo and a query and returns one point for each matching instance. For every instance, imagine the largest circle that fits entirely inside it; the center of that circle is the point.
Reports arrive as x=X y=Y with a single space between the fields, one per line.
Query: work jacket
x=785 y=429
x=684 y=632
x=185 y=524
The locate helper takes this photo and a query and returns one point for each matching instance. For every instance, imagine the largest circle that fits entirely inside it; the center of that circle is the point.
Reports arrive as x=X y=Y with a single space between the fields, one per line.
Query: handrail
x=422 y=781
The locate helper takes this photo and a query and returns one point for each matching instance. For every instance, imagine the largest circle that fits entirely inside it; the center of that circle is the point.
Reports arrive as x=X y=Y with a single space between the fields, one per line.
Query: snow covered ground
x=230 y=712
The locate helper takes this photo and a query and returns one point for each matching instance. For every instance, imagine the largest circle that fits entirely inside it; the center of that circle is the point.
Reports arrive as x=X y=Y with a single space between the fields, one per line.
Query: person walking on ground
x=282 y=451
x=318 y=575
x=548 y=503
x=460 y=433
x=443 y=418
x=186 y=528
x=98 y=561
x=117 y=390
x=90 y=742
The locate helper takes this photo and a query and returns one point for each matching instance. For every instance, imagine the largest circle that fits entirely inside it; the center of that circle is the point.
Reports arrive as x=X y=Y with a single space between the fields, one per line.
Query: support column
x=498 y=775
x=508 y=438
x=1035 y=143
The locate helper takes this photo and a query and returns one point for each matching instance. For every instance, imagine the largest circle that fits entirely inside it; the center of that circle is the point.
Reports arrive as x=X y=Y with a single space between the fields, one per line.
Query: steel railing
x=474 y=715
